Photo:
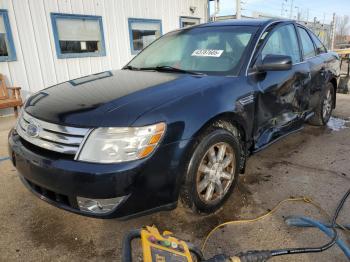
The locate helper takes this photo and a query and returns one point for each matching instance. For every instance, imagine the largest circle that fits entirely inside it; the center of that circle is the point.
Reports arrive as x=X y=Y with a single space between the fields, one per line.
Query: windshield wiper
x=175 y=69
x=171 y=69
x=129 y=67
x=163 y=68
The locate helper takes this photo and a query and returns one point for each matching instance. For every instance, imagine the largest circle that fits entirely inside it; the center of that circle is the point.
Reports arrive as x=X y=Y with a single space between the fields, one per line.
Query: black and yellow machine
x=158 y=247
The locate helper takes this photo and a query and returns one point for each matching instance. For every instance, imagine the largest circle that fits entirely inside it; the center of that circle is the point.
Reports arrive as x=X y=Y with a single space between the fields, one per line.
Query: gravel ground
x=313 y=163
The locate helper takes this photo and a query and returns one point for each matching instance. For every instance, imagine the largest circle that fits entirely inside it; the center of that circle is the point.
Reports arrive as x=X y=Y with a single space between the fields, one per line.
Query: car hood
x=112 y=98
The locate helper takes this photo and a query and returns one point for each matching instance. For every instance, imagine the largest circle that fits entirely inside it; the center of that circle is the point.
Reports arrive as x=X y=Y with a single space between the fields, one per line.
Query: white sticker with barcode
x=207 y=52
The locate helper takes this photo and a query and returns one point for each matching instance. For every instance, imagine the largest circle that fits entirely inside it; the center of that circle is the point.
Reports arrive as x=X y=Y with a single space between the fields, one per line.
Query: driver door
x=280 y=93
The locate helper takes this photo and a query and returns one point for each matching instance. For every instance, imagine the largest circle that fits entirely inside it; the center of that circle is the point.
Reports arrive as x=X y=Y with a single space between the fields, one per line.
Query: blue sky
x=322 y=9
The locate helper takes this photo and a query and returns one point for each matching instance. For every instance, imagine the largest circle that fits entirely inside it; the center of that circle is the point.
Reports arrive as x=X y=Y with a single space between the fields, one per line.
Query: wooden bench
x=9 y=96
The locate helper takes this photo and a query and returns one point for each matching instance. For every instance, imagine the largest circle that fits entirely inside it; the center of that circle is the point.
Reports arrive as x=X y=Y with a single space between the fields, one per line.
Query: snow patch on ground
x=337 y=124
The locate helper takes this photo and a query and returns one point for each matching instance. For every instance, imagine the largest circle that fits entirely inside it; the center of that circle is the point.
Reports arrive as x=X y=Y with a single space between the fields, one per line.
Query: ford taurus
x=177 y=122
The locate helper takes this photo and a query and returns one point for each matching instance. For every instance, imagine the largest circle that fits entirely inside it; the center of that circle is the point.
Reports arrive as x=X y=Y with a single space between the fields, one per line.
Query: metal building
x=45 y=42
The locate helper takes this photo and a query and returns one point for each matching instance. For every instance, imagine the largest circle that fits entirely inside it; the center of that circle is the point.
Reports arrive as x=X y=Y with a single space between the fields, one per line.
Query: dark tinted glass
x=3 y=46
x=139 y=37
x=143 y=32
x=78 y=47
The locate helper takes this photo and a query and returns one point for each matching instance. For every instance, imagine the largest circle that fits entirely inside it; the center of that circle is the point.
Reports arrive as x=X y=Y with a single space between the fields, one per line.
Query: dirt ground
x=314 y=163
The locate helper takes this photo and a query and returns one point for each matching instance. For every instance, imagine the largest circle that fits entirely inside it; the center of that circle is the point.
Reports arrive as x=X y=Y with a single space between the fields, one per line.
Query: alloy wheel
x=327 y=105
x=216 y=173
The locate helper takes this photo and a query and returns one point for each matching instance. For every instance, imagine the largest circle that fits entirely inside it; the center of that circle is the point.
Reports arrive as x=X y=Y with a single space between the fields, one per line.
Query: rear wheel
x=325 y=107
x=213 y=171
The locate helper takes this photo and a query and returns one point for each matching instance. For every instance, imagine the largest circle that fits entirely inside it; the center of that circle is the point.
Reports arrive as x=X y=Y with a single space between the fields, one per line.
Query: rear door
x=315 y=61
x=330 y=67
x=279 y=96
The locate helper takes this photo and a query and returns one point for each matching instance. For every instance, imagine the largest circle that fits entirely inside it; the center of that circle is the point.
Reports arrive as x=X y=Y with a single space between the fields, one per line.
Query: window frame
x=141 y=20
x=301 y=43
x=188 y=17
x=11 y=47
x=60 y=55
x=313 y=36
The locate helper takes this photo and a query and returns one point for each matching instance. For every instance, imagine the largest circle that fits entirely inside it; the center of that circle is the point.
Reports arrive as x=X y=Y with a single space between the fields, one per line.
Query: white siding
x=37 y=65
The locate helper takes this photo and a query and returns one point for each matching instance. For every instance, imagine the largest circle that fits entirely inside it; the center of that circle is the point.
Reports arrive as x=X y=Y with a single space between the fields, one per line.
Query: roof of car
x=242 y=22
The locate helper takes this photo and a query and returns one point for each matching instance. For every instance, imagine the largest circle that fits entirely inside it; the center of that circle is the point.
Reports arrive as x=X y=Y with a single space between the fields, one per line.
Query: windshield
x=209 y=50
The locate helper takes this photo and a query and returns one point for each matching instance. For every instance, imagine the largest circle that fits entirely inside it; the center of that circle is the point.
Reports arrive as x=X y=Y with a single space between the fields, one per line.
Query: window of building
x=306 y=43
x=188 y=21
x=78 y=35
x=143 y=32
x=7 y=48
x=283 y=41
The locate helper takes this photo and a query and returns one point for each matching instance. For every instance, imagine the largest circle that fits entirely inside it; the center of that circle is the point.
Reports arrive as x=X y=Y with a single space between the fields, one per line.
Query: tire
x=203 y=168
x=324 y=108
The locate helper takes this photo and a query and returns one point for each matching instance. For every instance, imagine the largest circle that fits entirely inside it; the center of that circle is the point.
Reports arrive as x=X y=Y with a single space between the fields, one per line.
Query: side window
x=320 y=49
x=283 y=41
x=306 y=43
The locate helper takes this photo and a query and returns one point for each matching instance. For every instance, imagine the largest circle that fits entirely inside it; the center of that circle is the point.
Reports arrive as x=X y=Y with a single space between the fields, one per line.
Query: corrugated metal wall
x=37 y=65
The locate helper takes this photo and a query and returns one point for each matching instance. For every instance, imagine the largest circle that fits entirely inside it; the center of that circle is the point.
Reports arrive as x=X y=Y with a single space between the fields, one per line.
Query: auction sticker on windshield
x=207 y=52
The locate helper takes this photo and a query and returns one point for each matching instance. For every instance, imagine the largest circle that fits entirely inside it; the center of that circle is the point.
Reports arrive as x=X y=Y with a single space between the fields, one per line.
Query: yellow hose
x=306 y=200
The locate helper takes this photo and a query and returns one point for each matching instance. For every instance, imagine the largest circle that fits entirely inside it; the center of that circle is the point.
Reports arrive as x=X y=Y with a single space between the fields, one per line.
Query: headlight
x=19 y=117
x=115 y=144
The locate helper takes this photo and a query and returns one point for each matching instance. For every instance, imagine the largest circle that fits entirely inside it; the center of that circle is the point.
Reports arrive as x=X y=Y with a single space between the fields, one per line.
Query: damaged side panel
x=282 y=103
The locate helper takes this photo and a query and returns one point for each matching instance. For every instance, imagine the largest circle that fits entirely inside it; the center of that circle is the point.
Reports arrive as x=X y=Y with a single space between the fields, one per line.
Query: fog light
x=98 y=206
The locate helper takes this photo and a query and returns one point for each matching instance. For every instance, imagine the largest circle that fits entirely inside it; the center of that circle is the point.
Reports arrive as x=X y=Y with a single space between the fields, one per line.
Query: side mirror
x=275 y=63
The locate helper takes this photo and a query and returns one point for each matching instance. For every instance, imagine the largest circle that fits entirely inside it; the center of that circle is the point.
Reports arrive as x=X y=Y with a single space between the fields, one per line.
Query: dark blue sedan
x=177 y=122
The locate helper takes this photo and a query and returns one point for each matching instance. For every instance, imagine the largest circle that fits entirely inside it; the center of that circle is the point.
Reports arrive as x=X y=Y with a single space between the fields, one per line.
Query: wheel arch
x=234 y=121
x=228 y=117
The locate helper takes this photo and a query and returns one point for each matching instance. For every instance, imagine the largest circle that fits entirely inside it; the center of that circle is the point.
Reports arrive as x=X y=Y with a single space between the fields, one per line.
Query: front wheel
x=325 y=107
x=213 y=171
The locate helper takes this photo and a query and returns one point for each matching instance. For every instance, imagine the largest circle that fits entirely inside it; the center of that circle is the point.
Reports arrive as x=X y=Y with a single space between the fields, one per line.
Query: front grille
x=53 y=196
x=44 y=152
x=52 y=137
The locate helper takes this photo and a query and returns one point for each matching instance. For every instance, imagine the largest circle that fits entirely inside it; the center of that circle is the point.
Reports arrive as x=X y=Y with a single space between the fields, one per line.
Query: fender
x=231 y=97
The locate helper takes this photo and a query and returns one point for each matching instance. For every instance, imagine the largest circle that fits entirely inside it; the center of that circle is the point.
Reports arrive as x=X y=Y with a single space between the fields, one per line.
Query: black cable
x=128 y=238
x=258 y=256
x=281 y=252
x=196 y=251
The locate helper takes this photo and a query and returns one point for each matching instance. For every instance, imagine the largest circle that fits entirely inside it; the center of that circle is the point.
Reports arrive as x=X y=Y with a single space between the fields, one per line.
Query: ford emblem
x=32 y=129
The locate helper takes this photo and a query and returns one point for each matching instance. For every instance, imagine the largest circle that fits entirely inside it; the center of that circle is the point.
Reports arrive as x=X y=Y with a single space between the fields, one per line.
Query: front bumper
x=148 y=185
